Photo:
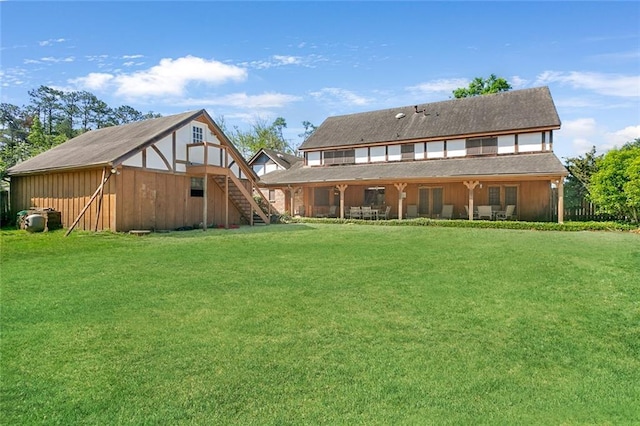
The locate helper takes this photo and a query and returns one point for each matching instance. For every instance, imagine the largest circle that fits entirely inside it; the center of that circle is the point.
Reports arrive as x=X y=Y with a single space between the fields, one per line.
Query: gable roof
x=516 y=110
x=105 y=146
x=282 y=159
x=542 y=164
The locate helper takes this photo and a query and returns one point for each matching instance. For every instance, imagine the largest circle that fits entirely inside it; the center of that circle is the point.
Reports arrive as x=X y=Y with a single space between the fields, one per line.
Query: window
x=321 y=196
x=197 y=134
x=197 y=187
x=482 y=146
x=511 y=195
x=374 y=196
x=407 y=152
x=494 y=195
x=345 y=156
x=272 y=195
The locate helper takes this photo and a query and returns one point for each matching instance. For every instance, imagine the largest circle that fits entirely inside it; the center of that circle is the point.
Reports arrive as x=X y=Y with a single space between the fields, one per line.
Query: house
x=163 y=173
x=493 y=150
x=266 y=161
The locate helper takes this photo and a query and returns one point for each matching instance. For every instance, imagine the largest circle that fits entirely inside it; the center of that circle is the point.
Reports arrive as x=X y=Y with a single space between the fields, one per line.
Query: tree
x=309 y=129
x=48 y=103
x=580 y=171
x=260 y=135
x=480 y=86
x=615 y=186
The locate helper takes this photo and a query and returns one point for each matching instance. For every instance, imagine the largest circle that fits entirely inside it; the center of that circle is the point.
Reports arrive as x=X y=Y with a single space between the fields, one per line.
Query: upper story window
x=197 y=133
x=344 y=156
x=407 y=152
x=482 y=146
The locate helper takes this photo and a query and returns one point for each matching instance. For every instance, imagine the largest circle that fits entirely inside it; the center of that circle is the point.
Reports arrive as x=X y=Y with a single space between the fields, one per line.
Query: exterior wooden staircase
x=242 y=199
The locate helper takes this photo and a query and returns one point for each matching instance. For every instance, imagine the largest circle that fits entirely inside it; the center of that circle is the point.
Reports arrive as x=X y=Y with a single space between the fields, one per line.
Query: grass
x=321 y=324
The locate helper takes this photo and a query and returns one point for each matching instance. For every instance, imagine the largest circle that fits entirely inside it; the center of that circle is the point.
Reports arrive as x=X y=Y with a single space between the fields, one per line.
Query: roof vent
x=280 y=155
x=400 y=115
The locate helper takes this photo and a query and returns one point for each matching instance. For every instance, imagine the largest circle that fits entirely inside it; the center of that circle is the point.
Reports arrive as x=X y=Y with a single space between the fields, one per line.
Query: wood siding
x=133 y=199
x=160 y=201
x=67 y=193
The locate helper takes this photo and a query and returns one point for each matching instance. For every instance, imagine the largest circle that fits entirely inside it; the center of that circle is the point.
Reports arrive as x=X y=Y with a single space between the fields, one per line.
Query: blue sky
x=249 y=61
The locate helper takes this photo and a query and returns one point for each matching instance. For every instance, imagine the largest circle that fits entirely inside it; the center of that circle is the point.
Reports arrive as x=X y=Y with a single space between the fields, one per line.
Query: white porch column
x=560 y=185
x=204 y=202
x=471 y=185
x=400 y=187
x=342 y=189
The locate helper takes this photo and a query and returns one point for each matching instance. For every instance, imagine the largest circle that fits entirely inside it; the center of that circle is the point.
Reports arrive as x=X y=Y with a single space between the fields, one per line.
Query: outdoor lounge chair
x=475 y=212
x=412 y=211
x=384 y=215
x=355 y=213
x=507 y=214
x=366 y=212
x=484 y=212
x=447 y=211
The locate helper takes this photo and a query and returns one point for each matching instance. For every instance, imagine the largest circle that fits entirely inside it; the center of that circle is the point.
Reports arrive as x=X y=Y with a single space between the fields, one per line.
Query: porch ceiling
x=512 y=166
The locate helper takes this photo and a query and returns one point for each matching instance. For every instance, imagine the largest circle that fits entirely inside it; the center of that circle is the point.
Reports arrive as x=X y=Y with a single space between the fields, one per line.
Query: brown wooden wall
x=533 y=196
x=152 y=200
x=133 y=199
x=67 y=193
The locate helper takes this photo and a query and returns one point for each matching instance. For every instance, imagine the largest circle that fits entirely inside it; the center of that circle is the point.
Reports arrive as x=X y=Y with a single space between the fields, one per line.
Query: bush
x=533 y=226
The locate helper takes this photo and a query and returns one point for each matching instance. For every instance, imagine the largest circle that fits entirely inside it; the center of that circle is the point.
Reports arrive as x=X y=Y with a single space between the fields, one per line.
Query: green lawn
x=315 y=323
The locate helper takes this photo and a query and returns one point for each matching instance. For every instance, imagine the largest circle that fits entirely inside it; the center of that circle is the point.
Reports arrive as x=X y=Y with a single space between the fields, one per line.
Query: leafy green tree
x=615 y=186
x=260 y=135
x=48 y=103
x=309 y=129
x=480 y=86
x=581 y=168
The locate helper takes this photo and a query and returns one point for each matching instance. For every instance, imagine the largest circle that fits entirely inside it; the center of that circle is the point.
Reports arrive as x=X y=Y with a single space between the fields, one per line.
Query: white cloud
x=132 y=56
x=284 y=60
x=248 y=102
x=93 y=81
x=334 y=95
x=51 y=41
x=583 y=133
x=622 y=136
x=169 y=78
x=604 y=84
x=55 y=60
x=444 y=85
x=518 y=82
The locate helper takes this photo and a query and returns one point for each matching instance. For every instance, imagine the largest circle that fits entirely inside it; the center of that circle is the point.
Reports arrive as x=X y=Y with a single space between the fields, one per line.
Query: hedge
x=507 y=224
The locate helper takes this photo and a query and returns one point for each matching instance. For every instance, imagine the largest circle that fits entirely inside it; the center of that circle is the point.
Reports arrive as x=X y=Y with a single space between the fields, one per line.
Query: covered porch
x=531 y=199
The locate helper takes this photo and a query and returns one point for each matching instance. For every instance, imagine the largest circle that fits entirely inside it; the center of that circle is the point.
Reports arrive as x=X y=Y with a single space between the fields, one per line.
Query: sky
x=249 y=62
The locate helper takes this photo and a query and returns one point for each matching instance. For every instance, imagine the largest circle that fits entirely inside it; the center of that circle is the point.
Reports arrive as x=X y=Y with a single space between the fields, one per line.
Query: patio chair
x=484 y=212
x=384 y=215
x=355 y=213
x=475 y=212
x=332 y=211
x=447 y=211
x=412 y=211
x=507 y=214
x=366 y=212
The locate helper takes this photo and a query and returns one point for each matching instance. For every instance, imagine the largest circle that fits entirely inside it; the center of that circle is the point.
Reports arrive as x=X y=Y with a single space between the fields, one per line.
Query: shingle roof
x=501 y=112
x=283 y=159
x=506 y=165
x=104 y=146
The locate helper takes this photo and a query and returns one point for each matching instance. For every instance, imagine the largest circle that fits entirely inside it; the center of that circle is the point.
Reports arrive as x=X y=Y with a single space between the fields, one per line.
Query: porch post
x=560 y=184
x=342 y=188
x=291 y=202
x=471 y=185
x=400 y=187
x=226 y=189
x=204 y=202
